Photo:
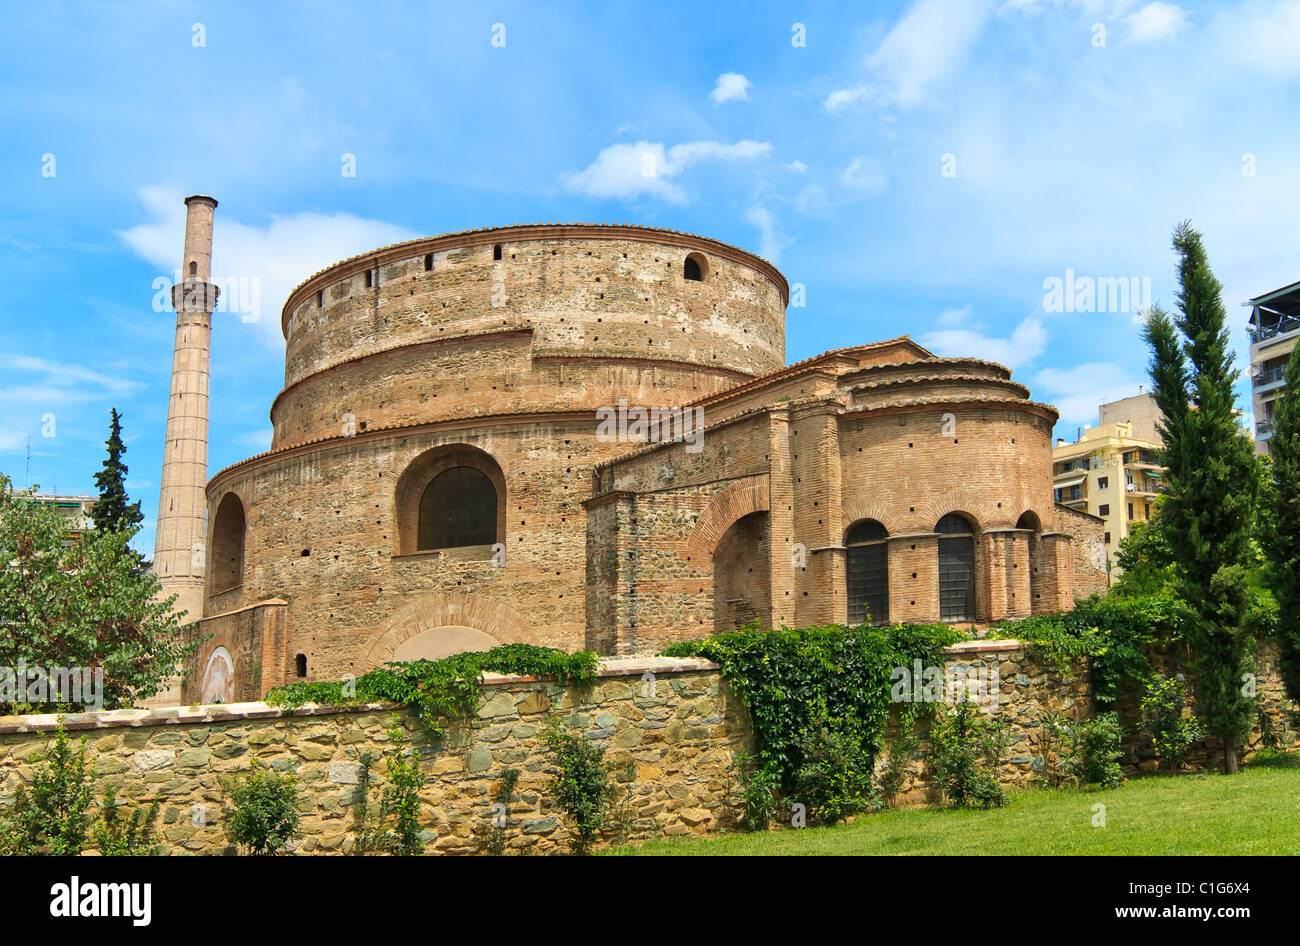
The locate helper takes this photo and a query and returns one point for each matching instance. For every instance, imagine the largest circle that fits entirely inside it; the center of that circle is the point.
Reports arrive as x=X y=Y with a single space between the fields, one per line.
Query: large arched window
x=458 y=508
x=956 y=568
x=868 y=573
x=452 y=496
x=226 y=569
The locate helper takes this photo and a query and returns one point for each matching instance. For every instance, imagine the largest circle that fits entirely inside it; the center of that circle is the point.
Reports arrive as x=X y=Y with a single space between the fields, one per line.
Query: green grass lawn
x=1256 y=811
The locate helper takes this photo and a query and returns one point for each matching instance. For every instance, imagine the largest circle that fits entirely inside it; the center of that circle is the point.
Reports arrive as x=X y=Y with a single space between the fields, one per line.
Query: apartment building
x=1274 y=328
x=1112 y=471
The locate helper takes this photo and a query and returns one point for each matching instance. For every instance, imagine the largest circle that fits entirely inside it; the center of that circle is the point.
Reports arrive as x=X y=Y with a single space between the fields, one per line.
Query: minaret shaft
x=180 y=550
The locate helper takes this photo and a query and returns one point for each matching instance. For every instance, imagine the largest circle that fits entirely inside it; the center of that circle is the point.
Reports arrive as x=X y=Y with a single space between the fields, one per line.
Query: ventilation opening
x=428 y=262
x=194 y=268
x=300 y=664
x=320 y=298
x=370 y=278
x=496 y=251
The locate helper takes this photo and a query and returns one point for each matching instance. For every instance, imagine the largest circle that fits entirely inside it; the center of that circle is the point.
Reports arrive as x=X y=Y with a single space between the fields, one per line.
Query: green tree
x=1284 y=537
x=52 y=815
x=85 y=606
x=1208 y=512
x=112 y=512
x=1146 y=559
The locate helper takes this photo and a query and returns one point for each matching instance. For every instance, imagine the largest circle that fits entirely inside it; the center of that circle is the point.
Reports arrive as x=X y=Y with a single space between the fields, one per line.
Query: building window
x=458 y=508
x=194 y=268
x=1103 y=482
x=1130 y=510
x=496 y=251
x=1103 y=510
x=695 y=268
x=1146 y=510
x=226 y=570
x=370 y=278
x=956 y=568
x=867 y=573
x=300 y=664
x=428 y=262
x=1107 y=538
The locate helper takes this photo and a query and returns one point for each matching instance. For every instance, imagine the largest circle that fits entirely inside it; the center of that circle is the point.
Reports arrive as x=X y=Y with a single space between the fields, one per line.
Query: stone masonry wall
x=675 y=720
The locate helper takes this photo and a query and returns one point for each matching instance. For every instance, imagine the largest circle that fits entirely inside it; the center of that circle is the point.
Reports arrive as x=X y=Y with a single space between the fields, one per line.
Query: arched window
x=695 y=268
x=227 y=565
x=956 y=568
x=194 y=268
x=868 y=573
x=1030 y=521
x=458 y=508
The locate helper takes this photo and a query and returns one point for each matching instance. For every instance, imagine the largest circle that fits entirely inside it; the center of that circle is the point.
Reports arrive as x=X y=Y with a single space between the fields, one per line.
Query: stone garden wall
x=674 y=720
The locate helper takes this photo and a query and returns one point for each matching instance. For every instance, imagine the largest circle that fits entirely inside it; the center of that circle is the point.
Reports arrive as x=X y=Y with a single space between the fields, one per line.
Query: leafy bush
x=52 y=817
x=499 y=831
x=133 y=836
x=836 y=778
x=1090 y=750
x=440 y=689
x=262 y=809
x=967 y=750
x=758 y=791
x=582 y=783
x=395 y=827
x=1172 y=729
x=898 y=754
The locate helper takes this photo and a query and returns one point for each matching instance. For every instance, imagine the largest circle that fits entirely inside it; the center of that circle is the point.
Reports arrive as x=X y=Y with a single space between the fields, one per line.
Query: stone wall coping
x=234 y=712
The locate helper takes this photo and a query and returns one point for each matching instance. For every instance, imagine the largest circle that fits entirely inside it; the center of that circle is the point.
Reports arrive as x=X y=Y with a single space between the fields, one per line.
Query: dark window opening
x=194 y=268
x=692 y=269
x=956 y=569
x=300 y=663
x=867 y=573
x=496 y=251
x=370 y=278
x=428 y=262
x=458 y=508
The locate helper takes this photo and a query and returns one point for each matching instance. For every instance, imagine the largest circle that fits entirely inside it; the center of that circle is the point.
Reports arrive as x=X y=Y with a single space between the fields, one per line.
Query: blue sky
x=921 y=167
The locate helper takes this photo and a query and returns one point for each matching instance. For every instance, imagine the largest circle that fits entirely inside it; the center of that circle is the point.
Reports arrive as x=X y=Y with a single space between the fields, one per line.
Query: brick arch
x=420 y=470
x=883 y=513
x=727 y=505
x=492 y=616
x=983 y=513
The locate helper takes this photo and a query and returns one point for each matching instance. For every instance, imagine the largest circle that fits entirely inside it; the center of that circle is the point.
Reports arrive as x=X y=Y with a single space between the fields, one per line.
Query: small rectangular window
x=370 y=278
x=1103 y=482
x=428 y=262
x=496 y=251
x=1103 y=511
x=1108 y=538
x=1130 y=510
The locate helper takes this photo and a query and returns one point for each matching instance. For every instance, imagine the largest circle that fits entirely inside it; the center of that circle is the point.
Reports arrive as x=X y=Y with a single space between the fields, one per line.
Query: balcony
x=1269 y=376
x=1281 y=326
x=1263 y=428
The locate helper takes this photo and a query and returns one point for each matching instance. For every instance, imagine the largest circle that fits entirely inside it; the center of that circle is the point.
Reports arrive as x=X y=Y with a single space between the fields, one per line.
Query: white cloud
x=798 y=167
x=626 y=171
x=842 y=98
x=44 y=393
x=770 y=240
x=270 y=259
x=1262 y=39
x=951 y=318
x=259 y=439
x=1078 y=392
x=1028 y=340
x=731 y=87
x=1155 y=21
x=864 y=176
x=931 y=39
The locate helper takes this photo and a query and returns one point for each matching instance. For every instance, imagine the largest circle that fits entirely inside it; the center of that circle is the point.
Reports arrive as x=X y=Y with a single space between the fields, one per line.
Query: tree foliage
x=84 y=605
x=1208 y=512
x=112 y=512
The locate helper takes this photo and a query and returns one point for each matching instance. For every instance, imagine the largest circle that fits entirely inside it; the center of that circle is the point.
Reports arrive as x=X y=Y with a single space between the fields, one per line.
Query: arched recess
x=439 y=642
x=742 y=583
x=695 y=268
x=226 y=550
x=434 y=611
x=415 y=482
x=1031 y=521
x=867 y=572
x=957 y=599
x=727 y=505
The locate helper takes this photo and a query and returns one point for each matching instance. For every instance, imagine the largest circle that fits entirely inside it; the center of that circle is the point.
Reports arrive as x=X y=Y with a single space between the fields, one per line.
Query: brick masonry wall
x=679 y=738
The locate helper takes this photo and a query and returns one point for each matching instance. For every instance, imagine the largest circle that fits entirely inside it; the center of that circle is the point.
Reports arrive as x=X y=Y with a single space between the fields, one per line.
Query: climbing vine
x=444 y=689
x=800 y=685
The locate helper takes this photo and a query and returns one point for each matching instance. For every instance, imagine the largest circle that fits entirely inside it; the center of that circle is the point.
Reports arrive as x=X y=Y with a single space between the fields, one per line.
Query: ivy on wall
x=444 y=689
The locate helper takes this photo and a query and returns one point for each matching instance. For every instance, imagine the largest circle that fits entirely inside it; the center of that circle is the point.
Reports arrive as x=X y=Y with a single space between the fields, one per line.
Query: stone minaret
x=179 y=549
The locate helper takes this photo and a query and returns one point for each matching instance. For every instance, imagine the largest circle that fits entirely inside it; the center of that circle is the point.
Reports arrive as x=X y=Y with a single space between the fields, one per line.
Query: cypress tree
x=1208 y=511
x=112 y=512
x=1285 y=534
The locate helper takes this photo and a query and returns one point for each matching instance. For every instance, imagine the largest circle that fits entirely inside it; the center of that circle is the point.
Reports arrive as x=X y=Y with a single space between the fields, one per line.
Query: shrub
x=52 y=815
x=835 y=779
x=261 y=811
x=758 y=791
x=899 y=752
x=1090 y=750
x=134 y=836
x=1173 y=730
x=967 y=749
x=499 y=831
x=581 y=785
x=395 y=827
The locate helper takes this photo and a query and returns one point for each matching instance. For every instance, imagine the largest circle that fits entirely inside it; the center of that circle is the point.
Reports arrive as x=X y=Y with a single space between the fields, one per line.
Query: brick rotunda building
x=439 y=478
